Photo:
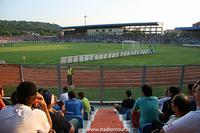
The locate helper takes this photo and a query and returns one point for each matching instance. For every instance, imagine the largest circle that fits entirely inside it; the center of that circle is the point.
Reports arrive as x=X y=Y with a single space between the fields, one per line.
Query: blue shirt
x=149 y=109
x=74 y=106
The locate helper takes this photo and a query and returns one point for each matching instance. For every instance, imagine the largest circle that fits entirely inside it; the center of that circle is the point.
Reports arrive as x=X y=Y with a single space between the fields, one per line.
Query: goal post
x=130 y=44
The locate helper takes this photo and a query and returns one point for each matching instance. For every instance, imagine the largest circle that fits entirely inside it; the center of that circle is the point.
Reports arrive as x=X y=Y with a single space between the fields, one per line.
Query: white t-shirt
x=161 y=102
x=172 y=118
x=190 y=123
x=64 y=97
x=22 y=119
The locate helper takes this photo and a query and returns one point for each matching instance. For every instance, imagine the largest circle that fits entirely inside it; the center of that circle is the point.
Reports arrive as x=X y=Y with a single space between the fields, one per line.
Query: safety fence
x=101 y=77
x=93 y=57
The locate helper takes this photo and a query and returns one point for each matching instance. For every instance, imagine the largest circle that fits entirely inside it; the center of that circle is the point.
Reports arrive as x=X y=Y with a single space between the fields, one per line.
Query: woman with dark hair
x=21 y=117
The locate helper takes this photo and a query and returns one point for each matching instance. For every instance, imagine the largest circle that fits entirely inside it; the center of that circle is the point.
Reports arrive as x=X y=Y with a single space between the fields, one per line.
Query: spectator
x=180 y=106
x=163 y=99
x=191 y=97
x=41 y=90
x=21 y=117
x=60 y=124
x=13 y=98
x=64 y=95
x=167 y=109
x=190 y=92
x=147 y=106
x=2 y=104
x=59 y=106
x=86 y=104
x=189 y=123
x=73 y=105
x=69 y=76
x=127 y=103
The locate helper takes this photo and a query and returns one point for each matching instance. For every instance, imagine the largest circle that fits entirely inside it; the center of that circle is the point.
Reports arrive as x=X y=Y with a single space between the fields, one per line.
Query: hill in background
x=9 y=28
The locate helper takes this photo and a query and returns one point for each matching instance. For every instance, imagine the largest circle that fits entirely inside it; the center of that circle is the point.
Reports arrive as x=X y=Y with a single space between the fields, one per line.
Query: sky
x=172 y=13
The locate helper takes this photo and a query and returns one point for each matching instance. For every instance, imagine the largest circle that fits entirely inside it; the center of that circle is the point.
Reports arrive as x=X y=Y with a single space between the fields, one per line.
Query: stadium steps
x=106 y=120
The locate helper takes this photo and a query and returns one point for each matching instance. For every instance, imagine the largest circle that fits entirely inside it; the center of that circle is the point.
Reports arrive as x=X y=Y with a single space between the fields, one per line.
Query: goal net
x=130 y=44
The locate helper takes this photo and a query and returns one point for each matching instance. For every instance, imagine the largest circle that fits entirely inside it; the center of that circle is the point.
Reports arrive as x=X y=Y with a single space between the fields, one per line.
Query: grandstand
x=118 y=29
x=195 y=27
x=190 y=33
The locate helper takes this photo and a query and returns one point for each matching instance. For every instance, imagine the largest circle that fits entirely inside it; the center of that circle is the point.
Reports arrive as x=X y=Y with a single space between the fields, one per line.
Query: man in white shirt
x=64 y=95
x=21 y=118
x=190 y=123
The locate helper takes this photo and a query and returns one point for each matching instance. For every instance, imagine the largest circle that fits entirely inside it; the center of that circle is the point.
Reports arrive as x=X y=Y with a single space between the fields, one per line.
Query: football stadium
x=107 y=60
x=133 y=77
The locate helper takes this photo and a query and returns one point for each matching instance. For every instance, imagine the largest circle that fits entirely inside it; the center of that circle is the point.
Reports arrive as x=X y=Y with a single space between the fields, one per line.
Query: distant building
x=115 y=29
x=196 y=24
x=195 y=27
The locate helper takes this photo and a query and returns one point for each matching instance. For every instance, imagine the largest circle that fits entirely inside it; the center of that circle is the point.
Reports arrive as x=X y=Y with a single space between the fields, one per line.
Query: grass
x=50 y=53
x=167 y=55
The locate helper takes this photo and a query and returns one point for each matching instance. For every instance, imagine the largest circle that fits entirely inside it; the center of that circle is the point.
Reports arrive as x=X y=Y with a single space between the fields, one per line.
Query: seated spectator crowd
x=173 y=113
x=39 y=110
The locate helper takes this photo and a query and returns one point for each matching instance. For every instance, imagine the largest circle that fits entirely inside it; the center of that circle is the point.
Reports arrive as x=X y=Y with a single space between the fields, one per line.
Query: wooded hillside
x=8 y=28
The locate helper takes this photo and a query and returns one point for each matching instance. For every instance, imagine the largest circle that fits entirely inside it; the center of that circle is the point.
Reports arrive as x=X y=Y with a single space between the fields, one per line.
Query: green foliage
x=8 y=28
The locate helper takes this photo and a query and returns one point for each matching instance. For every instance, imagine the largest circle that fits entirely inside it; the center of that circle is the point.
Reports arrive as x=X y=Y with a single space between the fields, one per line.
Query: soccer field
x=50 y=53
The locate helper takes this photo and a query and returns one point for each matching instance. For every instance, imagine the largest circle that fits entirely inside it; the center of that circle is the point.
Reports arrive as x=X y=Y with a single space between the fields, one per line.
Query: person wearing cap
x=60 y=124
x=127 y=103
x=2 y=104
x=21 y=117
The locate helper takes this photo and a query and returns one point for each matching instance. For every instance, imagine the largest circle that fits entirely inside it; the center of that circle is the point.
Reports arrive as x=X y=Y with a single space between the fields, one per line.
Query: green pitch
x=50 y=53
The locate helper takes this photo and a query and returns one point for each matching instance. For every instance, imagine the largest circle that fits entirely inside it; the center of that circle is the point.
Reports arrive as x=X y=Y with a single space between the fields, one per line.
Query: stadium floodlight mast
x=85 y=19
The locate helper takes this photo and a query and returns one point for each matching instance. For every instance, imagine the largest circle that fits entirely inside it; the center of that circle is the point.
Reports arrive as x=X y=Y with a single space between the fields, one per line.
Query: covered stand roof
x=120 y=25
x=194 y=28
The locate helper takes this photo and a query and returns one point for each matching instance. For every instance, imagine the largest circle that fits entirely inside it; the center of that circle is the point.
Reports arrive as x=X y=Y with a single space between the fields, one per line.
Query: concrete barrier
x=91 y=57
x=96 y=57
x=86 y=57
x=105 y=56
x=81 y=58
